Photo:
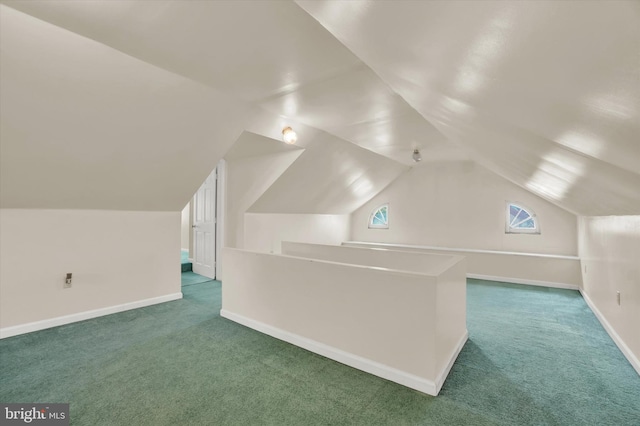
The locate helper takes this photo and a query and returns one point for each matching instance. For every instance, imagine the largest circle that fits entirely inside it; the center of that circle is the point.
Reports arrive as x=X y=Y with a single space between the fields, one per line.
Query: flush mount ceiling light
x=289 y=136
x=416 y=155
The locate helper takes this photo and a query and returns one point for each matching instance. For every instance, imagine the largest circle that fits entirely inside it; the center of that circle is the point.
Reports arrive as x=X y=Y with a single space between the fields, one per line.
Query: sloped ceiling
x=546 y=94
x=251 y=145
x=269 y=53
x=331 y=176
x=84 y=126
x=254 y=163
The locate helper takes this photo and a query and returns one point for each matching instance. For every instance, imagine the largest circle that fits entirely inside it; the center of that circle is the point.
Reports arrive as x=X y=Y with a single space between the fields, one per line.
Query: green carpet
x=536 y=356
x=185 y=263
x=190 y=278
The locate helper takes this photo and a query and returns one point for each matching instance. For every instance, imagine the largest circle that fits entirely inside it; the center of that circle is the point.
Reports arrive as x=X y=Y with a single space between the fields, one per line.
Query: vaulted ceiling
x=545 y=94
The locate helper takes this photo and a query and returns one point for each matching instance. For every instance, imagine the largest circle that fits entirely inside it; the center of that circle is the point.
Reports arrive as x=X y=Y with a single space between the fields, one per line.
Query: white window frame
x=371 y=225
x=510 y=230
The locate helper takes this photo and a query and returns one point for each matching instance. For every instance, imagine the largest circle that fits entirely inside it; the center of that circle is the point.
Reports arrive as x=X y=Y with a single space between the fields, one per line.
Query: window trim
x=371 y=225
x=509 y=230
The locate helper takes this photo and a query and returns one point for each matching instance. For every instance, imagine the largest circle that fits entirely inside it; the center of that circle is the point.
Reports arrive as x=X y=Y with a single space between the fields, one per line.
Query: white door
x=204 y=228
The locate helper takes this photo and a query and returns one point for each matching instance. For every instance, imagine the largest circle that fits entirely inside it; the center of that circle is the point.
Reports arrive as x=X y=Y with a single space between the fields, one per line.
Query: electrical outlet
x=618 y=297
x=67 y=281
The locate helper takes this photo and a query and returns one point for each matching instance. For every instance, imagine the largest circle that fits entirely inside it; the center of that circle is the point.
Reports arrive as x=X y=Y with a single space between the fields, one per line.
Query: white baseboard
x=524 y=281
x=81 y=316
x=452 y=358
x=633 y=360
x=372 y=367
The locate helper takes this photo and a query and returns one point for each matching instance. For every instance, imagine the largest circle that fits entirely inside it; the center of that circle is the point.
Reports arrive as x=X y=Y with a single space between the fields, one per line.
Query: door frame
x=221 y=202
x=204 y=215
x=219 y=211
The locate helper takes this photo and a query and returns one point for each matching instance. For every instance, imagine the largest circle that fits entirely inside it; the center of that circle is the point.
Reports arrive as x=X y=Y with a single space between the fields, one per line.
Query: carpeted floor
x=185 y=263
x=536 y=356
x=191 y=278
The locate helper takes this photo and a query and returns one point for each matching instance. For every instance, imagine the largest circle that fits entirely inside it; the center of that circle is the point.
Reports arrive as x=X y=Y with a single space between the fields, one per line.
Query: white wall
x=247 y=179
x=185 y=227
x=610 y=255
x=462 y=205
x=265 y=232
x=404 y=326
x=395 y=259
x=116 y=257
x=546 y=270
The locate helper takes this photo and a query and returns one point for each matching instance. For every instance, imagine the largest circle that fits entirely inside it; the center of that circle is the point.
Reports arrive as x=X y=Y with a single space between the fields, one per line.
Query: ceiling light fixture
x=289 y=136
x=416 y=155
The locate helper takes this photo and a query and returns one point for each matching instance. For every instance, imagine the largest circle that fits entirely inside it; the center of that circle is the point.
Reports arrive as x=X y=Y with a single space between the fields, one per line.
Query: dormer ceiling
x=545 y=94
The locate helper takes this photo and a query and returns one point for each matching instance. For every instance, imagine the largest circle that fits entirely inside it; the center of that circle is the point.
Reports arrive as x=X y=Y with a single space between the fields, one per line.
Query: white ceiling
x=83 y=126
x=331 y=176
x=254 y=145
x=328 y=176
x=546 y=94
x=270 y=53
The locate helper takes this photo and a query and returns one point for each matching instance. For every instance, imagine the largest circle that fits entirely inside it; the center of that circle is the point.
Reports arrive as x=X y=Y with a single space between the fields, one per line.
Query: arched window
x=521 y=220
x=380 y=217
